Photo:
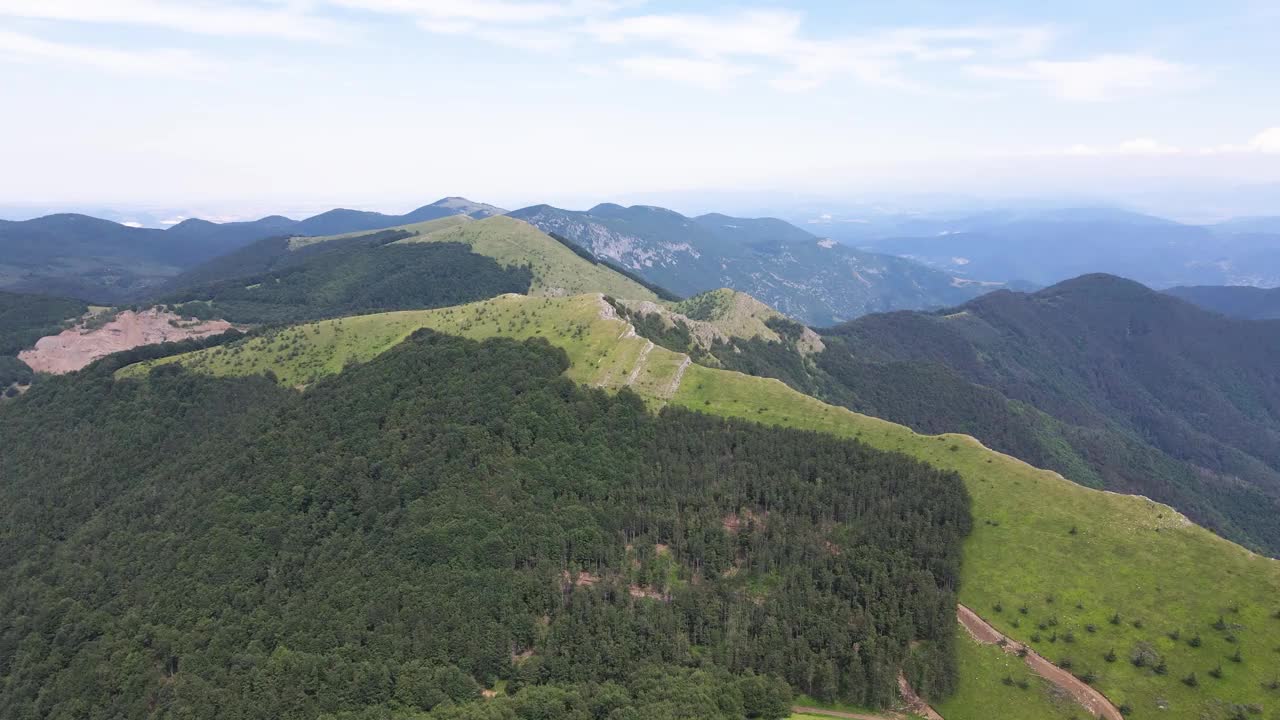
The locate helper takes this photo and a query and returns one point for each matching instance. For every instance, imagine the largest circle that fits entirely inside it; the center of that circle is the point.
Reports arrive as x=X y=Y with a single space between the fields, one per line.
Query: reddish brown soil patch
x=915 y=704
x=583 y=579
x=733 y=521
x=1083 y=693
x=73 y=349
x=639 y=592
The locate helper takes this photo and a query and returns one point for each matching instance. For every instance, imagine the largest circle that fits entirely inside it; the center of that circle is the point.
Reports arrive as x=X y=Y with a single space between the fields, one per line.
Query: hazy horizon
x=241 y=106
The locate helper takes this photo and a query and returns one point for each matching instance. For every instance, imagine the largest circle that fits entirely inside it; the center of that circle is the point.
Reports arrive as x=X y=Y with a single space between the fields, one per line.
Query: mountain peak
x=463 y=206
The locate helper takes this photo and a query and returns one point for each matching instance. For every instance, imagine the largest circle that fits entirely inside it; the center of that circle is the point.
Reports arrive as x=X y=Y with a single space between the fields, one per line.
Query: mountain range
x=463 y=469
x=104 y=261
x=1110 y=383
x=1042 y=247
x=1239 y=301
x=816 y=280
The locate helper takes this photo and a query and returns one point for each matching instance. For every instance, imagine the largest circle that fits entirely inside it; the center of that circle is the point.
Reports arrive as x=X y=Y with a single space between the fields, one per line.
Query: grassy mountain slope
x=1075 y=558
x=1237 y=301
x=1155 y=395
x=556 y=269
x=364 y=274
x=439 y=262
x=818 y=281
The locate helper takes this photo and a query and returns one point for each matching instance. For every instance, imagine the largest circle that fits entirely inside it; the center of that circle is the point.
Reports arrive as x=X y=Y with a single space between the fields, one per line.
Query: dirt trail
x=802 y=710
x=670 y=391
x=644 y=355
x=75 y=348
x=1092 y=700
x=915 y=704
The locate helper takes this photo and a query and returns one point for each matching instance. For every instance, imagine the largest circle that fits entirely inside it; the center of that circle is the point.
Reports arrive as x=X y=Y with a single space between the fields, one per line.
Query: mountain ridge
x=102 y=260
x=796 y=272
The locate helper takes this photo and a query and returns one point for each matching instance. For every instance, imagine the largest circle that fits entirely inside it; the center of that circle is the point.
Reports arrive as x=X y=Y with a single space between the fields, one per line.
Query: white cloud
x=483 y=11
x=796 y=61
x=191 y=16
x=142 y=62
x=711 y=74
x=522 y=38
x=1099 y=78
x=1267 y=141
x=1137 y=146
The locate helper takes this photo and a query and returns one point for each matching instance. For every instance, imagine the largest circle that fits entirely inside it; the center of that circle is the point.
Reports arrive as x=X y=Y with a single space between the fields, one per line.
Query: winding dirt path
x=915 y=704
x=1092 y=700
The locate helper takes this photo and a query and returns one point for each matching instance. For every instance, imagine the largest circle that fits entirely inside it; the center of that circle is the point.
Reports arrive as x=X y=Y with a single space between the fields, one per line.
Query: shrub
x=1191 y=680
x=1216 y=672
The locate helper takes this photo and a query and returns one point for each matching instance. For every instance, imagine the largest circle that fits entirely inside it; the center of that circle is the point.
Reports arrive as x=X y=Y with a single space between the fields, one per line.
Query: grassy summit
x=1080 y=574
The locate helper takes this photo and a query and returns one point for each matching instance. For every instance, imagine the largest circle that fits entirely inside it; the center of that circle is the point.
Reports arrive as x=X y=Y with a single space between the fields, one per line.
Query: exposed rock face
x=815 y=280
x=73 y=349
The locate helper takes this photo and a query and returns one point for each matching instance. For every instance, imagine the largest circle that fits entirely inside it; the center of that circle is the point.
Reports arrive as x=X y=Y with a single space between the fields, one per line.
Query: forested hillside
x=104 y=261
x=443 y=517
x=25 y=319
x=1040 y=564
x=1238 y=301
x=361 y=274
x=1109 y=383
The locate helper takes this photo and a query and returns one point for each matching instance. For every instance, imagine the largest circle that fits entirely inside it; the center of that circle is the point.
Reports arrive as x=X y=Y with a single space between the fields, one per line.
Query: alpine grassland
x=1165 y=618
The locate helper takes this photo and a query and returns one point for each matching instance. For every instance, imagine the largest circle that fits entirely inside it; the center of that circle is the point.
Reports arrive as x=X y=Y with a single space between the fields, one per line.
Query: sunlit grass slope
x=1118 y=573
x=557 y=270
x=998 y=684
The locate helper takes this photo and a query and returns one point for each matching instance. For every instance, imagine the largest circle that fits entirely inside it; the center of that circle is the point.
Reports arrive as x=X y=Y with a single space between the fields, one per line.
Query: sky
x=248 y=105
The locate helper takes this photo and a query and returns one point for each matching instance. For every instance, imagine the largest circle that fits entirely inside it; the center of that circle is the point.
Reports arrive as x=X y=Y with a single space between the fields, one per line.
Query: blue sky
x=261 y=103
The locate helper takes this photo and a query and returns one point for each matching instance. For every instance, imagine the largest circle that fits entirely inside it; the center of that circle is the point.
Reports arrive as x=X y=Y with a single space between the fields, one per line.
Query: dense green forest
x=267 y=282
x=1109 y=383
x=25 y=319
x=1238 y=301
x=447 y=516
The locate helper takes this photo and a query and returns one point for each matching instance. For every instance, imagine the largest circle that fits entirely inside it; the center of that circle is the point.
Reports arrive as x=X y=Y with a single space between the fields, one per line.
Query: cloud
x=192 y=16
x=484 y=11
x=1138 y=146
x=1099 y=78
x=1267 y=141
x=773 y=40
x=142 y=62
x=711 y=74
